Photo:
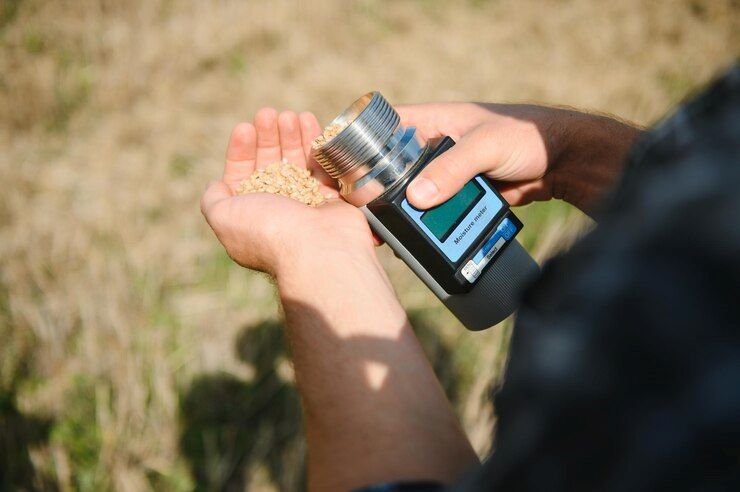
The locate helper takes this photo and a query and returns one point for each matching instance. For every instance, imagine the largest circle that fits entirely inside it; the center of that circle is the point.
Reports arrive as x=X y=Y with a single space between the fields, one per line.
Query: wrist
x=587 y=155
x=319 y=260
x=340 y=286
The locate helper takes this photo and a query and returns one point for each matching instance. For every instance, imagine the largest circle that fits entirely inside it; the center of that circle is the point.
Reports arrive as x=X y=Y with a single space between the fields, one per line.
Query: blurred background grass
x=133 y=354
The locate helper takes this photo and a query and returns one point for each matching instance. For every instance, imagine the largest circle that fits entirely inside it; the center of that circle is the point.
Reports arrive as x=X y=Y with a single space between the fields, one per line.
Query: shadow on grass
x=20 y=433
x=231 y=427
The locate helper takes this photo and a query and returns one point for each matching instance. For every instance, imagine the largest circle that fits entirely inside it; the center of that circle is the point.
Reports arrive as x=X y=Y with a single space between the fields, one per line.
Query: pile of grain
x=283 y=178
x=329 y=132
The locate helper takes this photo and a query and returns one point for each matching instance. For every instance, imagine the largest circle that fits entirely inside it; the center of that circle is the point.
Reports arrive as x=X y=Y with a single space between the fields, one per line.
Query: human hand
x=267 y=232
x=534 y=153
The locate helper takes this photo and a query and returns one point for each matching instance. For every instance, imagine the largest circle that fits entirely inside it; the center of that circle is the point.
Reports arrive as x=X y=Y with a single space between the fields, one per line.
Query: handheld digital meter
x=464 y=249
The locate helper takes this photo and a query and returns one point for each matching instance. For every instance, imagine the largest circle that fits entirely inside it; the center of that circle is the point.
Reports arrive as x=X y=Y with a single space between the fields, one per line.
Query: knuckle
x=456 y=168
x=488 y=134
x=447 y=173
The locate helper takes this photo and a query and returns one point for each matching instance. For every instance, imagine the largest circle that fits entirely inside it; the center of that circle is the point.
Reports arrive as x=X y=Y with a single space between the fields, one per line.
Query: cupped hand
x=505 y=142
x=264 y=231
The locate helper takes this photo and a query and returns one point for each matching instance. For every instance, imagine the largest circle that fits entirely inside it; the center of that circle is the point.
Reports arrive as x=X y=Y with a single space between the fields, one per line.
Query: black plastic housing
x=387 y=209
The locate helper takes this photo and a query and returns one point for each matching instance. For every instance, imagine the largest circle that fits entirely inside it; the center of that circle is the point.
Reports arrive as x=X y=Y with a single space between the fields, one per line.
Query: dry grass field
x=133 y=354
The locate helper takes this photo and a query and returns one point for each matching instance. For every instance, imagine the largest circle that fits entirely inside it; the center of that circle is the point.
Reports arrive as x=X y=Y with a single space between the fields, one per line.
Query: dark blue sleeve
x=403 y=487
x=624 y=370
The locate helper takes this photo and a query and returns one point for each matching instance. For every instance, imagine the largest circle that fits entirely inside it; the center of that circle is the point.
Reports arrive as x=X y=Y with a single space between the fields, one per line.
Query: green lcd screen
x=442 y=219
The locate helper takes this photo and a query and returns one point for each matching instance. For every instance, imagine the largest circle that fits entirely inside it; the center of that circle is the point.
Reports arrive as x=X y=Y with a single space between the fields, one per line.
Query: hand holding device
x=533 y=153
x=464 y=249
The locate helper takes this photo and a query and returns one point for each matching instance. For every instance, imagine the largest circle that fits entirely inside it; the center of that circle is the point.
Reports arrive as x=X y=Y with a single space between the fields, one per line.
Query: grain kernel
x=329 y=132
x=283 y=178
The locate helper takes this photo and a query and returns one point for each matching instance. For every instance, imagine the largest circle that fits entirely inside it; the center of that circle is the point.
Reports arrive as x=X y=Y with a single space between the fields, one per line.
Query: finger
x=311 y=129
x=291 y=143
x=421 y=116
x=268 y=137
x=377 y=239
x=240 y=155
x=216 y=192
x=446 y=175
x=434 y=120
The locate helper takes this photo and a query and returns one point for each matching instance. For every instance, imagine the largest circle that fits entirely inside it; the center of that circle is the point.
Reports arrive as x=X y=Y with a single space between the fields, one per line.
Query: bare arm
x=534 y=153
x=374 y=409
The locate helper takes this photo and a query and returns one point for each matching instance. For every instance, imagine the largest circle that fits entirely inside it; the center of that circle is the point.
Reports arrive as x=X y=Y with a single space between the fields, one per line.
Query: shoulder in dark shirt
x=624 y=369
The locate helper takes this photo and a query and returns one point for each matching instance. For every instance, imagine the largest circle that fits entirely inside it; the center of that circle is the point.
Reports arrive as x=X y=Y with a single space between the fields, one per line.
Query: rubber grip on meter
x=497 y=292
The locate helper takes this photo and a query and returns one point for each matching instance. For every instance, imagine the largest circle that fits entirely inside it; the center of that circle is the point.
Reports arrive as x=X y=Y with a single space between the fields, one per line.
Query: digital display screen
x=442 y=219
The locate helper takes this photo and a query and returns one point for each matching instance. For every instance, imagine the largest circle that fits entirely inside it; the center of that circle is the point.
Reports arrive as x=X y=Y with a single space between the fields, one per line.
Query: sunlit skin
x=261 y=230
x=374 y=410
x=534 y=153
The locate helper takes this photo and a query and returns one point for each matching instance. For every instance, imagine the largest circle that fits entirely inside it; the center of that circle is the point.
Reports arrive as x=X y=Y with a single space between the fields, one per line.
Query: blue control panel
x=458 y=223
x=505 y=231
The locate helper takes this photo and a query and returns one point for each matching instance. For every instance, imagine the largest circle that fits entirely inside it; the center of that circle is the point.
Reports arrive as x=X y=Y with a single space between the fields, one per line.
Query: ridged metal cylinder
x=372 y=150
x=368 y=124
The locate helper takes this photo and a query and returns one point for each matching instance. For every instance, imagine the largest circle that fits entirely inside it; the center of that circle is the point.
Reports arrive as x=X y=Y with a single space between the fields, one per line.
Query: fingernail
x=423 y=189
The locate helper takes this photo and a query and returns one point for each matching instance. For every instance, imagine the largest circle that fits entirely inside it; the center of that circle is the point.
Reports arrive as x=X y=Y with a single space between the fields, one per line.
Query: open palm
x=259 y=229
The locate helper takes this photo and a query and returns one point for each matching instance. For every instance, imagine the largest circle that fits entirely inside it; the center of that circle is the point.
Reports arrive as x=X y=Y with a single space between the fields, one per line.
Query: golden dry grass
x=134 y=355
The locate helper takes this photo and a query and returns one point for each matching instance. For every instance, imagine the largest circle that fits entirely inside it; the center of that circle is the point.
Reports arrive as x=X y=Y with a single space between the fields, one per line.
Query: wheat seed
x=286 y=179
x=329 y=132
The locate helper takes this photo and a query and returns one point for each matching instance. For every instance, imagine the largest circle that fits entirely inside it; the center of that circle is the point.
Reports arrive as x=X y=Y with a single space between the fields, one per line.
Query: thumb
x=445 y=176
x=216 y=191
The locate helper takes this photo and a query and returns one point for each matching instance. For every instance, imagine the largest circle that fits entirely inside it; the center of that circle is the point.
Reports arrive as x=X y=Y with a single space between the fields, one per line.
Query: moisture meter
x=464 y=249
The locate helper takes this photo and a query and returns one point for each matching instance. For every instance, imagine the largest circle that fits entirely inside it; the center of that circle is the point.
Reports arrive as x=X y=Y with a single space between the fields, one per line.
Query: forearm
x=374 y=409
x=588 y=155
